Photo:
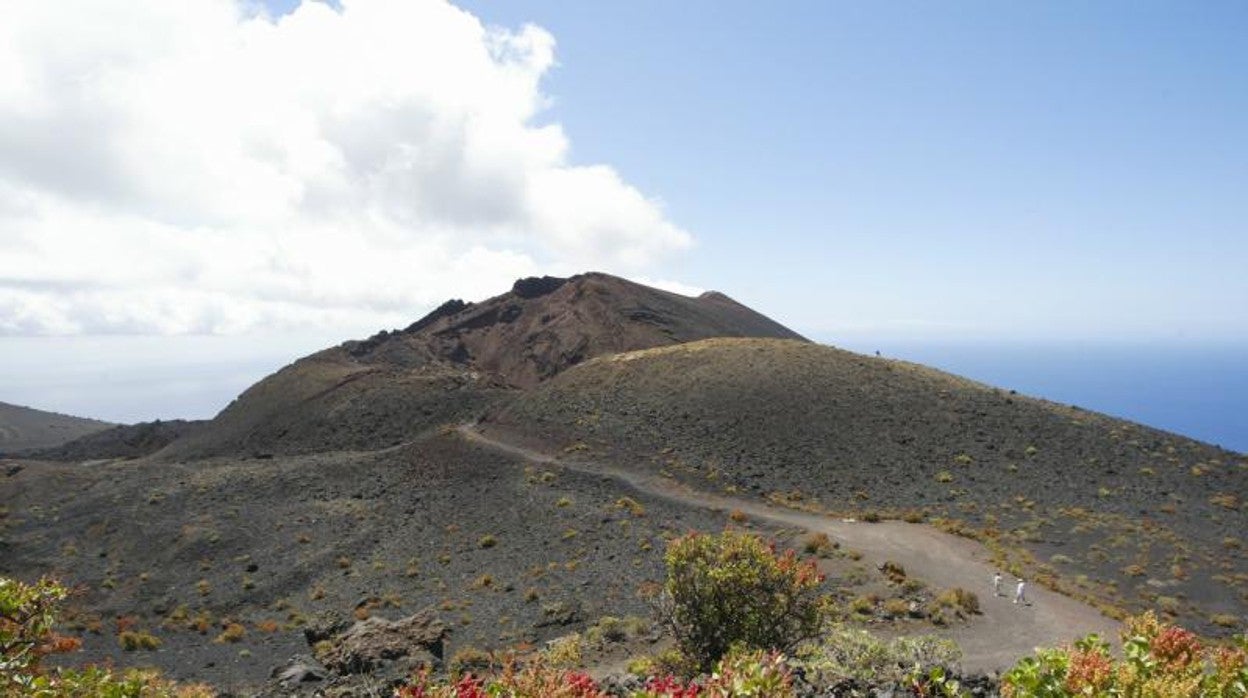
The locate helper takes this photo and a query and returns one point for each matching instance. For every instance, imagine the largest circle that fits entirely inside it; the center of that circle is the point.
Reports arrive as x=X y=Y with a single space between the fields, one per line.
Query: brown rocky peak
x=546 y=324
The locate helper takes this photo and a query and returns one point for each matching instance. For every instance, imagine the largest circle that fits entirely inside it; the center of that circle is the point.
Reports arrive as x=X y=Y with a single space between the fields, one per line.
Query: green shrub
x=857 y=654
x=912 y=585
x=863 y=605
x=893 y=571
x=630 y=505
x=28 y=613
x=607 y=629
x=1224 y=620
x=1157 y=660
x=131 y=640
x=744 y=674
x=734 y=589
x=965 y=602
x=896 y=608
x=819 y=544
x=741 y=675
x=233 y=632
x=27 y=616
x=565 y=651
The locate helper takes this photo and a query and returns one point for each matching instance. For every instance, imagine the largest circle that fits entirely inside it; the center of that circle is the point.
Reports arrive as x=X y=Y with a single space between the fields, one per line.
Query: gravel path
x=1003 y=633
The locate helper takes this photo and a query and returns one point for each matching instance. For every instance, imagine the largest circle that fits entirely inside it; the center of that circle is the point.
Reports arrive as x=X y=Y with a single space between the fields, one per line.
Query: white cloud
x=198 y=167
x=671 y=286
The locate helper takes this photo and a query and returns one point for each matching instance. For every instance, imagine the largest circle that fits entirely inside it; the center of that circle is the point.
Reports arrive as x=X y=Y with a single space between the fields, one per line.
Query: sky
x=219 y=187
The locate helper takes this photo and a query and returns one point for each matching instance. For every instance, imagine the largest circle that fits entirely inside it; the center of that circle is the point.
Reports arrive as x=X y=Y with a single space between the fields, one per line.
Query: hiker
x=996 y=584
x=1020 y=593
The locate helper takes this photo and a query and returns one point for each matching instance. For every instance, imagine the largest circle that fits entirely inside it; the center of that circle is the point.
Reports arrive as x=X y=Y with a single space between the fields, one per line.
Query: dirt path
x=997 y=638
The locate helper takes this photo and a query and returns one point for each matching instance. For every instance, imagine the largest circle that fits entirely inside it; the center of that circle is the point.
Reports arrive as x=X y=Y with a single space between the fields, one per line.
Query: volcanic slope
x=125 y=441
x=24 y=427
x=1119 y=514
x=341 y=485
x=452 y=363
x=504 y=550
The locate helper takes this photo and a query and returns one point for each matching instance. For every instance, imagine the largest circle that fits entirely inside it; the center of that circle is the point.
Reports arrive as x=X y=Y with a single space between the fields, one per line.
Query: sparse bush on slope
x=733 y=589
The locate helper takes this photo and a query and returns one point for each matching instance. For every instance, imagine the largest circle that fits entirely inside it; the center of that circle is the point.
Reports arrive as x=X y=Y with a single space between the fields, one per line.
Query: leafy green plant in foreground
x=1158 y=661
x=753 y=674
x=28 y=615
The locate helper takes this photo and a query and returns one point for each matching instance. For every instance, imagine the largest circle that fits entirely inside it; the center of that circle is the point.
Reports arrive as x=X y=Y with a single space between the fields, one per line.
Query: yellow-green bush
x=131 y=640
x=735 y=590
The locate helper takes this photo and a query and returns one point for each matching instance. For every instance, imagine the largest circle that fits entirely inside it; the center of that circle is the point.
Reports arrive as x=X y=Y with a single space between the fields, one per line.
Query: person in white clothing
x=996 y=584
x=1020 y=593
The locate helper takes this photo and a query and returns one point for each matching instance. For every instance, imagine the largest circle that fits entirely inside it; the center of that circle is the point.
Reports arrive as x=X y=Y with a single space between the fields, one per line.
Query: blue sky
x=218 y=187
x=976 y=169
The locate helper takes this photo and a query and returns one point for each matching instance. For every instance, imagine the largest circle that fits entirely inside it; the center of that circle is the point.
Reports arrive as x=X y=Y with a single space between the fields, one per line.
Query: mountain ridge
x=448 y=365
x=23 y=428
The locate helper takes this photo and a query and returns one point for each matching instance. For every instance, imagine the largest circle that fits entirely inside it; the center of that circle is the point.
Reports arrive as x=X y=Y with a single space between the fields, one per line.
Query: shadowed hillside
x=126 y=441
x=447 y=366
x=1059 y=491
x=24 y=428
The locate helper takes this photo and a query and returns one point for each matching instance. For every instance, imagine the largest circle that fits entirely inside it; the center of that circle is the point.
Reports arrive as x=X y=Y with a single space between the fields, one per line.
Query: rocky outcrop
x=534 y=286
x=375 y=643
x=300 y=670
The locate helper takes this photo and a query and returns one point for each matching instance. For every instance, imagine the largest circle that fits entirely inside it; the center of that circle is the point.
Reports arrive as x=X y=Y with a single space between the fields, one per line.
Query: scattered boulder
x=375 y=642
x=300 y=669
x=560 y=614
x=324 y=627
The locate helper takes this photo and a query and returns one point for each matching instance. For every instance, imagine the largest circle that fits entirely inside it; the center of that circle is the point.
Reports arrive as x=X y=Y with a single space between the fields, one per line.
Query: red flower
x=1176 y=648
x=669 y=687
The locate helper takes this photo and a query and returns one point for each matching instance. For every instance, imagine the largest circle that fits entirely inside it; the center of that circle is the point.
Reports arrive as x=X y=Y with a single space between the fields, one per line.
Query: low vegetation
x=741 y=675
x=1157 y=660
x=748 y=621
x=735 y=590
x=28 y=614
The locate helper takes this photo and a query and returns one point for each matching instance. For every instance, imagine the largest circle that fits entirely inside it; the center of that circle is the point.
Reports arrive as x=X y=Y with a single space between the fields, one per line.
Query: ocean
x=1197 y=390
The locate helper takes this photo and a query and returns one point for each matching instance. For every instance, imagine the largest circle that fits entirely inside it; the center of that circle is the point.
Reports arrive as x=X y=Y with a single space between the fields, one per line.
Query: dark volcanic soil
x=1119 y=512
x=298 y=539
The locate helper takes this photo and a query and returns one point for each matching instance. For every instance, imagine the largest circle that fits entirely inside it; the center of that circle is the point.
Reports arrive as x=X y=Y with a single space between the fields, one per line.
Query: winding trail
x=997 y=638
